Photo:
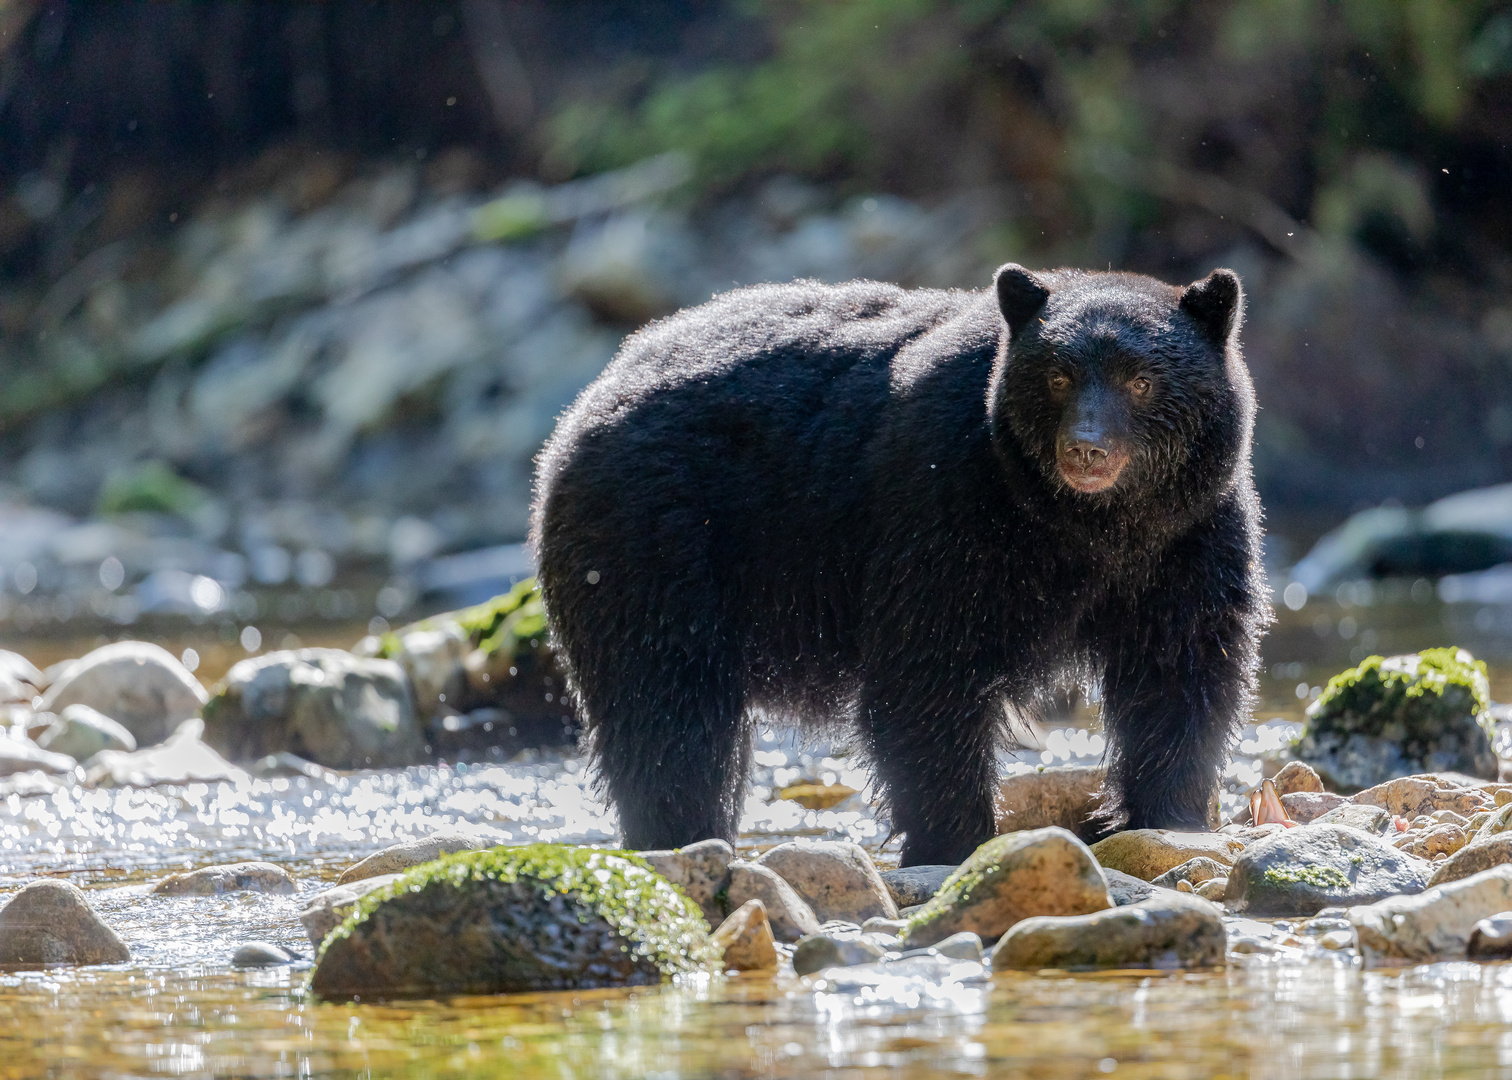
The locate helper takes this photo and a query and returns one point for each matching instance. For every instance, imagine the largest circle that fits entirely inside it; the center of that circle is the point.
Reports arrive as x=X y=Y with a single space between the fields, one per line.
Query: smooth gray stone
x=914 y=885
x=819 y=951
x=260 y=954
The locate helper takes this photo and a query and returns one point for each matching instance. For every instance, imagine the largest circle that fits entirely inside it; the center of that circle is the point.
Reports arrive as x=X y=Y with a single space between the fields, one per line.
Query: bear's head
x=1117 y=386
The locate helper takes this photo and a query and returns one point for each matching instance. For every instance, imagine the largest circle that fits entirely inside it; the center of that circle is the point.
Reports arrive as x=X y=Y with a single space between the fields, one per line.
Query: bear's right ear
x=1020 y=295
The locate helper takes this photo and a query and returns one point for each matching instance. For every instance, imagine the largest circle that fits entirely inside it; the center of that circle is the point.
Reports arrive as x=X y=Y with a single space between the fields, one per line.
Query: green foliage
x=657 y=918
x=1406 y=699
x=152 y=487
x=510 y=623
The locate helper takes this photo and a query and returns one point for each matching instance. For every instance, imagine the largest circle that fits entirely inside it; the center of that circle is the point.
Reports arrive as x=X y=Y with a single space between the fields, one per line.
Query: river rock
x=1311 y=867
x=1173 y=930
x=1400 y=715
x=23 y=755
x=911 y=886
x=1062 y=795
x=1305 y=806
x=1297 y=777
x=183 y=759
x=51 y=922
x=531 y=918
x=325 y=911
x=1496 y=824
x=1214 y=889
x=1492 y=938
x=82 y=732
x=1148 y=853
x=701 y=870
x=1473 y=858
x=1435 y=925
x=335 y=709
x=260 y=954
x=836 y=878
x=1439 y=840
x=1194 y=871
x=1125 y=889
x=746 y=939
x=1370 y=819
x=819 y=951
x=790 y=917
x=1414 y=796
x=1011 y=877
x=235 y=877
x=408 y=853
x=140 y=686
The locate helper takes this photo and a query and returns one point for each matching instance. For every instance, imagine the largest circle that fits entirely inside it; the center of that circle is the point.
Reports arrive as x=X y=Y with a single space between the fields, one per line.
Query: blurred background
x=291 y=293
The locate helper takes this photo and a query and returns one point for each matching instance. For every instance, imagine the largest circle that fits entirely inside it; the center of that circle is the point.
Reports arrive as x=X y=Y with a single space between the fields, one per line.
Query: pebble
x=701 y=870
x=402 y=856
x=1148 y=853
x=746 y=939
x=1411 y=796
x=236 y=877
x=1170 y=931
x=790 y=917
x=836 y=878
x=1438 y=842
x=911 y=886
x=1125 y=888
x=261 y=954
x=1009 y=878
x=51 y=922
x=183 y=759
x=1214 y=889
x=1435 y=925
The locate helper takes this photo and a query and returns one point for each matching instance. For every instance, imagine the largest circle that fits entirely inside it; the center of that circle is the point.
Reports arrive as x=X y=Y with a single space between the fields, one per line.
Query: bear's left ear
x=1020 y=294
x=1217 y=303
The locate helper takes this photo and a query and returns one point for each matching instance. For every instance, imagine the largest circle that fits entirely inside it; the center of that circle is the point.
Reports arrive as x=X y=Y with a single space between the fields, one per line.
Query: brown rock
x=701 y=871
x=1305 y=806
x=1296 y=777
x=836 y=878
x=1009 y=878
x=237 y=877
x=1413 y=796
x=51 y=922
x=746 y=938
x=1439 y=840
x=1148 y=853
x=1473 y=858
x=1059 y=795
x=790 y=917
x=1168 y=931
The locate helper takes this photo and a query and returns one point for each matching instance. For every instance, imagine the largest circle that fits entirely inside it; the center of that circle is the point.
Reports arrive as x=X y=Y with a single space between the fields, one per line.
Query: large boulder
x=140 y=686
x=335 y=709
x=531 y=918
x=1399 y=715
x=1009 y=878
x=1435 y=925
x=1306 y=869
x=835 y=877
x=1170 y=930
x=51 y=922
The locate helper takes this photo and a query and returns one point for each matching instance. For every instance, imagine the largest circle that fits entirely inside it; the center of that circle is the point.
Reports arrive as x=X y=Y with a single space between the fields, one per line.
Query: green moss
x=1322 y=877
x=153 y=487
x=511 y=623
x=662 y=924
x=1404 y=698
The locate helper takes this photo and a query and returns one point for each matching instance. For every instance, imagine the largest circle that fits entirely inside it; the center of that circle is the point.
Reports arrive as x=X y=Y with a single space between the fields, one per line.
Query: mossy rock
x=1401 y=715
x=513 y=919
x=511 y=624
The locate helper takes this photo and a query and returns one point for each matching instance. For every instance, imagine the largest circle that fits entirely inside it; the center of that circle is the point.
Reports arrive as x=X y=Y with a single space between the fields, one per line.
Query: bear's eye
x=1140 y=385
x=1059 y=380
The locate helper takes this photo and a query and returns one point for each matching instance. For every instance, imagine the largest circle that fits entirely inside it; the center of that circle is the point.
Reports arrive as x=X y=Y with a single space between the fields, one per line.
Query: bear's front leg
x=1178 y=679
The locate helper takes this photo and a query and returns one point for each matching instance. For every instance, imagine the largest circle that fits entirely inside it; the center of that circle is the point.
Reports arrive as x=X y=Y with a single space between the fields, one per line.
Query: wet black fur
x=841 y=503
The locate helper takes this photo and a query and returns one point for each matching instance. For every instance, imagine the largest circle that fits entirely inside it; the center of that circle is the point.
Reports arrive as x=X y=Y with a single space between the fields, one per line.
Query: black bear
x=917 y=511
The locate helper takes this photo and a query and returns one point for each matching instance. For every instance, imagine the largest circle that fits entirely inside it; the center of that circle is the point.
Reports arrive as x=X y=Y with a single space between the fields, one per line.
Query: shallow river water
x=179 y=1009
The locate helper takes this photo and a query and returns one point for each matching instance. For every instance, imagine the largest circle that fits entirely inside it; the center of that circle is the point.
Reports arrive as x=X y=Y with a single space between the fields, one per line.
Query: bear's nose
x=1085 y=453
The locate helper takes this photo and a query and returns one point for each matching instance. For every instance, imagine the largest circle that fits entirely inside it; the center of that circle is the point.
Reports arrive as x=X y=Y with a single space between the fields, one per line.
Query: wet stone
x=325 y=911
x=819 y=951
x=1492 y=938
x=402 y=856
x=1371 y=819
x=911 y=886
x=791 y=918
x=1435 y=925
x=701 y=870
x=51 y=922
x=746 y=939
x=962 y=946
x=1148 y=853
x=1009 y=878
x=1166 y=932
x=1312 y=867
x=836 y=878
x=1473 y=858
x=260 y=954
x=1126 y=888
x=237 y=877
